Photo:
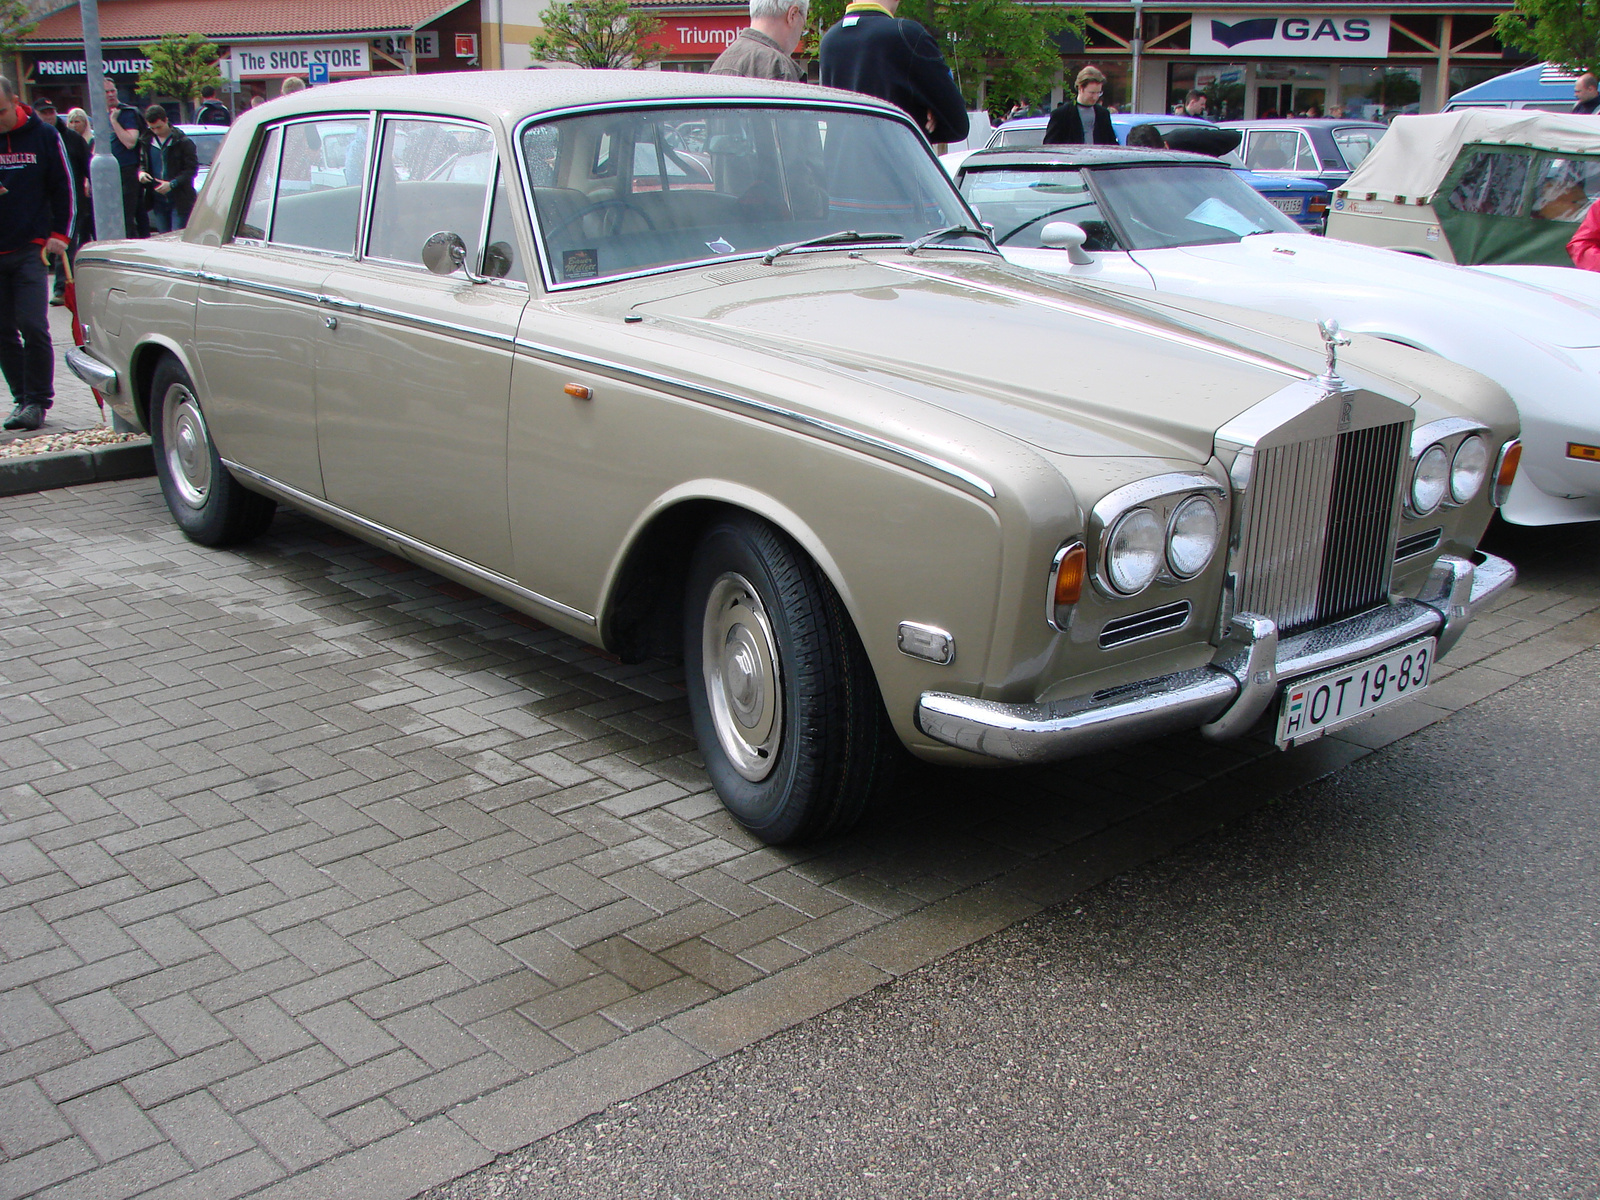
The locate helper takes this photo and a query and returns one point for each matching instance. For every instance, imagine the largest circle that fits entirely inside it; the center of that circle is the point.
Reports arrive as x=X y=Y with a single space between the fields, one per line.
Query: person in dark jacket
x=1083 y=120
x=127 y=126
x=167 y=164
x=212 y=111
x=78 y=155
x=872 y=51
x=36 y=215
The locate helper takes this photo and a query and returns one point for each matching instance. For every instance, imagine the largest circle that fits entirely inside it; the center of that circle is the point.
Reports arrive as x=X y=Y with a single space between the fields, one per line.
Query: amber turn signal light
x=1587 y=453
x=1505 y=471
x=1066 y=581
x=577 y=391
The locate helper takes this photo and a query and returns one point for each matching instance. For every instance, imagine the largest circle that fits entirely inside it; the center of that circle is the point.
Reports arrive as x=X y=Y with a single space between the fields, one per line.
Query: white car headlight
x=1429 y=480
x=1468 y=469
x=1192 y=536
x=1134 y=551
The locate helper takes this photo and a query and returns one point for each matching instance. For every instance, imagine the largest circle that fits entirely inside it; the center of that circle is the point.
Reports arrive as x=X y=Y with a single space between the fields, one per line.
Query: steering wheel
x=623 y=207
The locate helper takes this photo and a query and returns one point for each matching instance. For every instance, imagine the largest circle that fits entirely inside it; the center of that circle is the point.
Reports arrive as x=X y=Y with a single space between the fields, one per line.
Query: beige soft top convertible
x=726 y=370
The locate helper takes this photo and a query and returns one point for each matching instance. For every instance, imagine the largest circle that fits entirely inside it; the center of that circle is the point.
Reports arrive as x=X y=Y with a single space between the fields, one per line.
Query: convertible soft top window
x=621 y=192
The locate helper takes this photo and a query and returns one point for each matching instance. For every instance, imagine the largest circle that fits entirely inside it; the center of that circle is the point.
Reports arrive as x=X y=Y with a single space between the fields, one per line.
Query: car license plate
x=1289 y=204
x=1311 y=707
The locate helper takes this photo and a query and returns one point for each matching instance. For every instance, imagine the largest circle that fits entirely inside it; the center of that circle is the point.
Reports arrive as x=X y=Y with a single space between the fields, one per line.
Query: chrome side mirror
x=1064 y=235
x=444 y=252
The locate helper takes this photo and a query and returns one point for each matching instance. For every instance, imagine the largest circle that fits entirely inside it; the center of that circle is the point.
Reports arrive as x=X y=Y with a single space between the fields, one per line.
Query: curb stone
x=38 y=472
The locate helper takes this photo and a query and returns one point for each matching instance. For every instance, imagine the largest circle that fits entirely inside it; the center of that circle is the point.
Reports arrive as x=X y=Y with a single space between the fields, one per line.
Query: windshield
x=1019 y=202
x=620 y=192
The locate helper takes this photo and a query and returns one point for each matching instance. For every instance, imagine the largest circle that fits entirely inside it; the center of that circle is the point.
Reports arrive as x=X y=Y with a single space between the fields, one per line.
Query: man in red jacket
x=36 y=211
x=1585 y=244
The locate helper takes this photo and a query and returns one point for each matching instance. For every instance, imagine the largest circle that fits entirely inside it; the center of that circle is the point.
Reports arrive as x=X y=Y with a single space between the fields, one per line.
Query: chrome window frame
x=375 y=150
x=364 y=203
x=546 y=274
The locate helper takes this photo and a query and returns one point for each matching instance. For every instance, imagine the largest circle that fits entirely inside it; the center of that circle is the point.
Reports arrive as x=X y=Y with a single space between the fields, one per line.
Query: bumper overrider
x=1228 y=695
x=92 y=371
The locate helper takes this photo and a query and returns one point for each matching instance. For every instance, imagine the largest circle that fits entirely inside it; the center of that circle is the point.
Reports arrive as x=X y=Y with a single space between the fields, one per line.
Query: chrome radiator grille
x=1317 y=537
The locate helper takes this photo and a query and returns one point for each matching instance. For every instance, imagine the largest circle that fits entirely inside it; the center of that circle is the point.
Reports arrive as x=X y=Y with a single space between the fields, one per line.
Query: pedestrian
x=257 y=100
x=1083 y=120
x=1586 y=91
x=292 y=85
x=1584 y=248
x=36 y=210
x=79 y=120
x=127 y=127
x=212 y=110
x=78 y=156
x=1194 y=104
x=766 y=49
x=169 y=161
x=870 y=50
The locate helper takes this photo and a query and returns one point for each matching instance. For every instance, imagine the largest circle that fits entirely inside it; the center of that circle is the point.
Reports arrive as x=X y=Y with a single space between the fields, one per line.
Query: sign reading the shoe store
x=342 y=58
x=1297 y=35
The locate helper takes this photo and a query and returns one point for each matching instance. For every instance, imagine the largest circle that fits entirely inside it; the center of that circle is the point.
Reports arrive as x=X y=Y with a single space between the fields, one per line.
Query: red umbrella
x=69 y=297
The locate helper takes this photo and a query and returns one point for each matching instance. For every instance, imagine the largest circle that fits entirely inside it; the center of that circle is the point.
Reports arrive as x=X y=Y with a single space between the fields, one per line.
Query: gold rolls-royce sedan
x=726 y=369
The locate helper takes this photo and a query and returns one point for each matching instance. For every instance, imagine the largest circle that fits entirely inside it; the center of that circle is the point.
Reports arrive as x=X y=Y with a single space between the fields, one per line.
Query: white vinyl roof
x=1412 y=159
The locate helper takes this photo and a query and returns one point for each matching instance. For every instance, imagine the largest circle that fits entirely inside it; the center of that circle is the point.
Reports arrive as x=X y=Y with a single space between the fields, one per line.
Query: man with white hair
x=766 y=49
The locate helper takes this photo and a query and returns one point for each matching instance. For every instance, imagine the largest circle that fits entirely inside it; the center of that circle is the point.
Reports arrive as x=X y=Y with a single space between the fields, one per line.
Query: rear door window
x=1280 y=150
x=321 y=170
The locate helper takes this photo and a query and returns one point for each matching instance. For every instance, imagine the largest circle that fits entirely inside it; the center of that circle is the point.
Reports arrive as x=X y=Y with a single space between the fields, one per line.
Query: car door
x=259 y=317
x=414 y=376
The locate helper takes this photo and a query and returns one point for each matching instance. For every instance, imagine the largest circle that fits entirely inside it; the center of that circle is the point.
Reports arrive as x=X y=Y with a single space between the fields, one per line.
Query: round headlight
x=1429 y=480
x=1133 y=552
x=1192 y=536
x=1468 y=469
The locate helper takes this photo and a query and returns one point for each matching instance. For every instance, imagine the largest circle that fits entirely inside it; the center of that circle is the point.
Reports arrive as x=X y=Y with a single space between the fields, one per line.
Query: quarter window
x=501 y=258
x=433 y=177
x=258 y=209
x=318 y=187
x=1354 y=145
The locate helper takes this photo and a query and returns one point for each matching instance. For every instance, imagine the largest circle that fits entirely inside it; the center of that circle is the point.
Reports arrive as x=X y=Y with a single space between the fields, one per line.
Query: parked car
x=1326 y=149
x=1181 y=226
x=207 y=140
x=810 y=431
x=1305 y=201
x=1543 y=86
x=1479 y=185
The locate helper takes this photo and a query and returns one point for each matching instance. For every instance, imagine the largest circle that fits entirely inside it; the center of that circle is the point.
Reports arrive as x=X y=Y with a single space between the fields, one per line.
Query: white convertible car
x=1187 y=226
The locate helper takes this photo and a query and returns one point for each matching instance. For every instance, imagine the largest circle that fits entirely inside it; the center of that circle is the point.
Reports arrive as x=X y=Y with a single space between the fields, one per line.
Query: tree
x=1565 y=32
x=180 y=65
x=999 y=51
x=15 y=24
x=602 y=34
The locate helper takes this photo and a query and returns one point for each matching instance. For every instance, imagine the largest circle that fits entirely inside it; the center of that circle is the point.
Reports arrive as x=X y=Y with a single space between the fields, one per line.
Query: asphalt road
x=1380 y=985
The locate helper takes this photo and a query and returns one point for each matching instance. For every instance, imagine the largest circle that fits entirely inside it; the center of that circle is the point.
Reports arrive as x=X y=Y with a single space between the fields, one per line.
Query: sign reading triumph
x=1300 y=35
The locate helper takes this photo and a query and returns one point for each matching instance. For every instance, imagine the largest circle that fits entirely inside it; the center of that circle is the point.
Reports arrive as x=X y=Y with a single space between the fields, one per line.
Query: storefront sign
x=69 y=68
x=1299 y=35
x=427 y=45
x=701 y=36
x=342 y=58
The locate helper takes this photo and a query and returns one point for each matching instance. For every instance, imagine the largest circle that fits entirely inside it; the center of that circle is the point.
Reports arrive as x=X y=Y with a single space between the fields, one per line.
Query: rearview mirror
x=1064 y=235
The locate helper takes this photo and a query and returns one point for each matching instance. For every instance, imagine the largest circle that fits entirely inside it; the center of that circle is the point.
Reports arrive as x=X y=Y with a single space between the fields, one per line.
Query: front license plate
x=1311 y=707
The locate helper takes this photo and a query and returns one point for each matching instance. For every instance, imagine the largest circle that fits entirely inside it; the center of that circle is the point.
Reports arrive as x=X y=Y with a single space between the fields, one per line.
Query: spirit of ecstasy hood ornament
x=1332 y=339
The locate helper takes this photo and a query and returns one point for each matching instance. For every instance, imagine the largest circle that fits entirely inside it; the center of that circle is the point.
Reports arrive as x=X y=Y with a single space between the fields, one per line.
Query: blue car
x=1304 y=201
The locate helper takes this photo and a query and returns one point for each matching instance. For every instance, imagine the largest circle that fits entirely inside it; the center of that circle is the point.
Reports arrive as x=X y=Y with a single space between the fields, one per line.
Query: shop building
x=262 y=43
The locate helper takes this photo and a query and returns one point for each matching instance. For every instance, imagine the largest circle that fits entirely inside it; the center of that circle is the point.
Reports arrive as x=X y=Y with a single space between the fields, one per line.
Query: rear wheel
x=782 y=696
x=206 y=501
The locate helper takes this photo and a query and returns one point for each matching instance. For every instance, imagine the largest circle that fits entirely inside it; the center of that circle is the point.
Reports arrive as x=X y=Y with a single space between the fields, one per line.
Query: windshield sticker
x=1218 y=215
x=579 y=264
x=721 y=246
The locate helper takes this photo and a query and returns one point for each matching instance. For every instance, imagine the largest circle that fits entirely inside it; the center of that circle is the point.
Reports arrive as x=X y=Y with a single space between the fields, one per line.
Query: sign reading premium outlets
x=57 y=67
x=1300 y=35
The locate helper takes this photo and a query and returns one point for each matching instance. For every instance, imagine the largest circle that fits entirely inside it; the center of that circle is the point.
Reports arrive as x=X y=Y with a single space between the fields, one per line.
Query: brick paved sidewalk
x=324 y=876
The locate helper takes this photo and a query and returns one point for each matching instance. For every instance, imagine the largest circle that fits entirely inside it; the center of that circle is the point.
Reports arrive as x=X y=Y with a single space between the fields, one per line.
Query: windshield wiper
x=839 y=237
x=949 y=231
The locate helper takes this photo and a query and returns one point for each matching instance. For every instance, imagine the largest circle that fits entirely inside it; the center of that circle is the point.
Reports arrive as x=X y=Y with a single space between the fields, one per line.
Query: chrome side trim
x=91 y=370
x=1104 y=316
x=757 y=407
x=384 y=534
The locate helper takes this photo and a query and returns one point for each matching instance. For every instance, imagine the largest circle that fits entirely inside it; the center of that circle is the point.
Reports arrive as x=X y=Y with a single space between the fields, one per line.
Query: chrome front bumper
x=92 y=371
x=1228 y=695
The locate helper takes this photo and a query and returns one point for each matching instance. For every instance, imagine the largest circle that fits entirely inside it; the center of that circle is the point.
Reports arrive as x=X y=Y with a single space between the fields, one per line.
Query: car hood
x=1278 y=271
x=1068 y=369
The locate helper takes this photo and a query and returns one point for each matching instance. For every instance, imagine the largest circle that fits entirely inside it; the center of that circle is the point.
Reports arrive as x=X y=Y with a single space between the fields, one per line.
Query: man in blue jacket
x=36 y=214
x=872 y=51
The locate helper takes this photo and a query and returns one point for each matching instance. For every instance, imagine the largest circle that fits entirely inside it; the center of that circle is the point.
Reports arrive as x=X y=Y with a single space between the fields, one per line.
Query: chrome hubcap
x=187 y=445
x=743 y=683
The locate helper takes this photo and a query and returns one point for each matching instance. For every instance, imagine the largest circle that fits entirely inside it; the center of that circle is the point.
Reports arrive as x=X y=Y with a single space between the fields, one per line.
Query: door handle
x=331 y=322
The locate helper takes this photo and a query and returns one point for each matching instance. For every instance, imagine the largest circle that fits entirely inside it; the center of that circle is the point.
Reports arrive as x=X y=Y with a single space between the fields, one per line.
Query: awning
x=146 y=20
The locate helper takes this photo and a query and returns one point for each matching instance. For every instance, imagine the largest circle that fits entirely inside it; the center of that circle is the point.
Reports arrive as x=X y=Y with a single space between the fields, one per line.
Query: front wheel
x=206 y=501
x=783 y=699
